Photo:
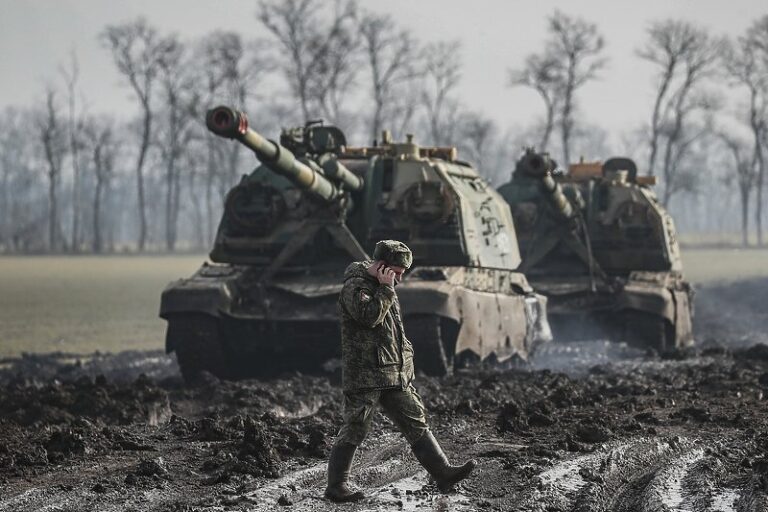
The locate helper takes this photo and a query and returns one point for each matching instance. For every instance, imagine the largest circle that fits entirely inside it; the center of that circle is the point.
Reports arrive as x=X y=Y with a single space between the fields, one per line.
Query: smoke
x=577 y=358
x=732 y=314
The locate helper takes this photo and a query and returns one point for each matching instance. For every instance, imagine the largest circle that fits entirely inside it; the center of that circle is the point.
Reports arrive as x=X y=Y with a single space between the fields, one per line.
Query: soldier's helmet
x=394 y=253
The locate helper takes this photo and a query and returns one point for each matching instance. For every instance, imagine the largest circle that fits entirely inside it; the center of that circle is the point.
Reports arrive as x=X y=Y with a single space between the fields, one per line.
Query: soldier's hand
x=384 y=274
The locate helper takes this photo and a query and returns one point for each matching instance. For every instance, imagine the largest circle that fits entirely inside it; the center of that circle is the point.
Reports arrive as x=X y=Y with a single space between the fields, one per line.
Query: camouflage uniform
x=377 y=369
x=377 y=359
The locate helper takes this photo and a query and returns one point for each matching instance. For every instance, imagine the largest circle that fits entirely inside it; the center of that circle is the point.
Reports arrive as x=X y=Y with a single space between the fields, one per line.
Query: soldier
x=377 y=369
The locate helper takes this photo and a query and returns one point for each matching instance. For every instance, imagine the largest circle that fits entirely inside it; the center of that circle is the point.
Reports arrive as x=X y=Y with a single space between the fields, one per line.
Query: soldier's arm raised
x=366 y=303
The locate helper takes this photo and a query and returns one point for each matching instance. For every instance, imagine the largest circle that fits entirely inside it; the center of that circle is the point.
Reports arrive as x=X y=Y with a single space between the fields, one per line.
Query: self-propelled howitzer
x=267 y=301
x=596 y=241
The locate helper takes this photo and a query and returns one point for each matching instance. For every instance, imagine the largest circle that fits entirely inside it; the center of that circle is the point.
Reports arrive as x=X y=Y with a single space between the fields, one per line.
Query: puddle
x=303 y=410
x=300 y=487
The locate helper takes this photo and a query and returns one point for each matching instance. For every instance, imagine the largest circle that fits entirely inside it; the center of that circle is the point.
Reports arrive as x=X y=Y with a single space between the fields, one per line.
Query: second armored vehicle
x=599 y=245
x=268 y=301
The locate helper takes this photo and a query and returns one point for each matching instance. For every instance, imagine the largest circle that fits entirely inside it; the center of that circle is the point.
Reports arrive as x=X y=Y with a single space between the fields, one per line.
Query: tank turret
x=539 y=166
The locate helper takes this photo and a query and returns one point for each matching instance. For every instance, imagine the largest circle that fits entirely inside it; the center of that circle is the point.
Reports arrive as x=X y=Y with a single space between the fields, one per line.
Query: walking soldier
x=377 y=369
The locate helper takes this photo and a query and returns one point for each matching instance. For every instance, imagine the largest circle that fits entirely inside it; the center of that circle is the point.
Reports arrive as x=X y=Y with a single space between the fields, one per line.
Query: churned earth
x=589 y=426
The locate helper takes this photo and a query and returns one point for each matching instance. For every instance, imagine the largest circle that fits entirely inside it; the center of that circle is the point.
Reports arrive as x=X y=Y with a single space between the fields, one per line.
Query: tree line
x=80 y=181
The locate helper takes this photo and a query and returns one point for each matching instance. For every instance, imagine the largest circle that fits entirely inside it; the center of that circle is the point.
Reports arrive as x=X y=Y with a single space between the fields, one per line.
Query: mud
x=589 y=426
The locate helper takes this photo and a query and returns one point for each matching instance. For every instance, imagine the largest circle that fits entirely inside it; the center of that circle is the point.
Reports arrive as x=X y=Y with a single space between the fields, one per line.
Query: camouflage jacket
x=374 y=350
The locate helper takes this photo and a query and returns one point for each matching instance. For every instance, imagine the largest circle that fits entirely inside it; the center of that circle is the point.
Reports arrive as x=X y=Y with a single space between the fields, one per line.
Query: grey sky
x=37 y=35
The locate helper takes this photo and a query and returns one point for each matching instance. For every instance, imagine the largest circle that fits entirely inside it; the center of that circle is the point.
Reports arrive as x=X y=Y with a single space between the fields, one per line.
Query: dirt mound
x=31 y=403
x=54 y=412
x=252 y=455
x=123 y=367
x=732 y=313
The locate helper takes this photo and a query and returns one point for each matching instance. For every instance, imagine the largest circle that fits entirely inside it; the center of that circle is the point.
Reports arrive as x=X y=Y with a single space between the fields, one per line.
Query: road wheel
x=646 y=330
x=198 y=347
x=430 y=355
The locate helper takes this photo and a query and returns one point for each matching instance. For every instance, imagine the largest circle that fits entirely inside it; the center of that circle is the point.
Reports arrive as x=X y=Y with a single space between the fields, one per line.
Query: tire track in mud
x=81 y=498
x=74 y=491
x=642 y=475
x=386 y=473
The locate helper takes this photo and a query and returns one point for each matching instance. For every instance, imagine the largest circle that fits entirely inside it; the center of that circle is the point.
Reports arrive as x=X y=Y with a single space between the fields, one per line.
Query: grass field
x=88 y=303
x=711 y=265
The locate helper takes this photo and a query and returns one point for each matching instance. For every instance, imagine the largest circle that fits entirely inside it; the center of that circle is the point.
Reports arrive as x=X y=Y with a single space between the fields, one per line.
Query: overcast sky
x=37 y=35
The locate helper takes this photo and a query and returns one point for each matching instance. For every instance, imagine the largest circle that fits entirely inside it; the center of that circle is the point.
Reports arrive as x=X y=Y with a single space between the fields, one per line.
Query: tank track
x=430 y=354
x=639 y=329
x=197 y=342
x=646 y=330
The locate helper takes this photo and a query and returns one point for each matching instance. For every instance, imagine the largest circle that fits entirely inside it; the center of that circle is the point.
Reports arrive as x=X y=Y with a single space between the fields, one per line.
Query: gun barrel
x=227 y=122
x=339 y=172
x=554 y=193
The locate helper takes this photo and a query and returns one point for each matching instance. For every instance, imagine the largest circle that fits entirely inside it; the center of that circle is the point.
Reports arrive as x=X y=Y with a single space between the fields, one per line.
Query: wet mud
x=588 y=426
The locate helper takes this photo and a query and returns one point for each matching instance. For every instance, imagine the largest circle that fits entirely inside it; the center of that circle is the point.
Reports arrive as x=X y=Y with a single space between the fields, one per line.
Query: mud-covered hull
x=292 y=324
x=653 y=309
x=496 y=312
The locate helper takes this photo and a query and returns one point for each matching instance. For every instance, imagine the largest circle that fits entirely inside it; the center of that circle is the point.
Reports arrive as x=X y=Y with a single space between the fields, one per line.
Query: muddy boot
x=431 y=456
x=339 y=463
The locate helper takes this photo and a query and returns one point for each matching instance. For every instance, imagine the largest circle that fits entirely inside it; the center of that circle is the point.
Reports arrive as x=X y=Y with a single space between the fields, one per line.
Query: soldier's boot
x=431 y=456
x=339 y=464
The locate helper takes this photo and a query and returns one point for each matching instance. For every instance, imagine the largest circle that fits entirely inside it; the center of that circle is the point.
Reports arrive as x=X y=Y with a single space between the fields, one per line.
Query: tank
x=266 y=302
x=598 y=244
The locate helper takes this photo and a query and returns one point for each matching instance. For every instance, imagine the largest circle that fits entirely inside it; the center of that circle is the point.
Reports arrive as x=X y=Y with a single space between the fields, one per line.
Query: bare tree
x=317 y=50
x=177 y=127
x=195 y=171
x=542 y=74
x=103 y=146
x=687 y=56
x=71 y=75
x=221 y=54
x=392 y=56
x=231 y=71
x=572 y=57
x=442 y=74
x=477 y=134
x=53 y=139
x=339 y=67
x=577 y=46
x=747 y=64
x=9 y=163
x=697 y=65
x=22 y=219
x=745 y=177
x=682 y=107
x=592 y=142
x=668 y=43
x=137 y=50
x=226 y=68
x=690 y=145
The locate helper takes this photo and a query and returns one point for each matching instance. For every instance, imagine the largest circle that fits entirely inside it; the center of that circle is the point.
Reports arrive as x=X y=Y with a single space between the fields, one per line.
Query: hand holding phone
x=383 y=273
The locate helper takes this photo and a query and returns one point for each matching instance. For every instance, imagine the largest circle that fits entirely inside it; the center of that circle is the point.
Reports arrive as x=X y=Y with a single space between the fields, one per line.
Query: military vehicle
x=267 y=301
x=598 y=244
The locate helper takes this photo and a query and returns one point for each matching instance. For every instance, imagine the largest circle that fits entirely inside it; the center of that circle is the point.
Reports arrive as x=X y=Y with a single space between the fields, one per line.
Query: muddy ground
x=591 y=426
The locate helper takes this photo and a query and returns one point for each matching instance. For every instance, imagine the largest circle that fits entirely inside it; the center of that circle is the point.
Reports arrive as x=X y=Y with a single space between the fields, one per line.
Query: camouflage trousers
x=403 y=406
